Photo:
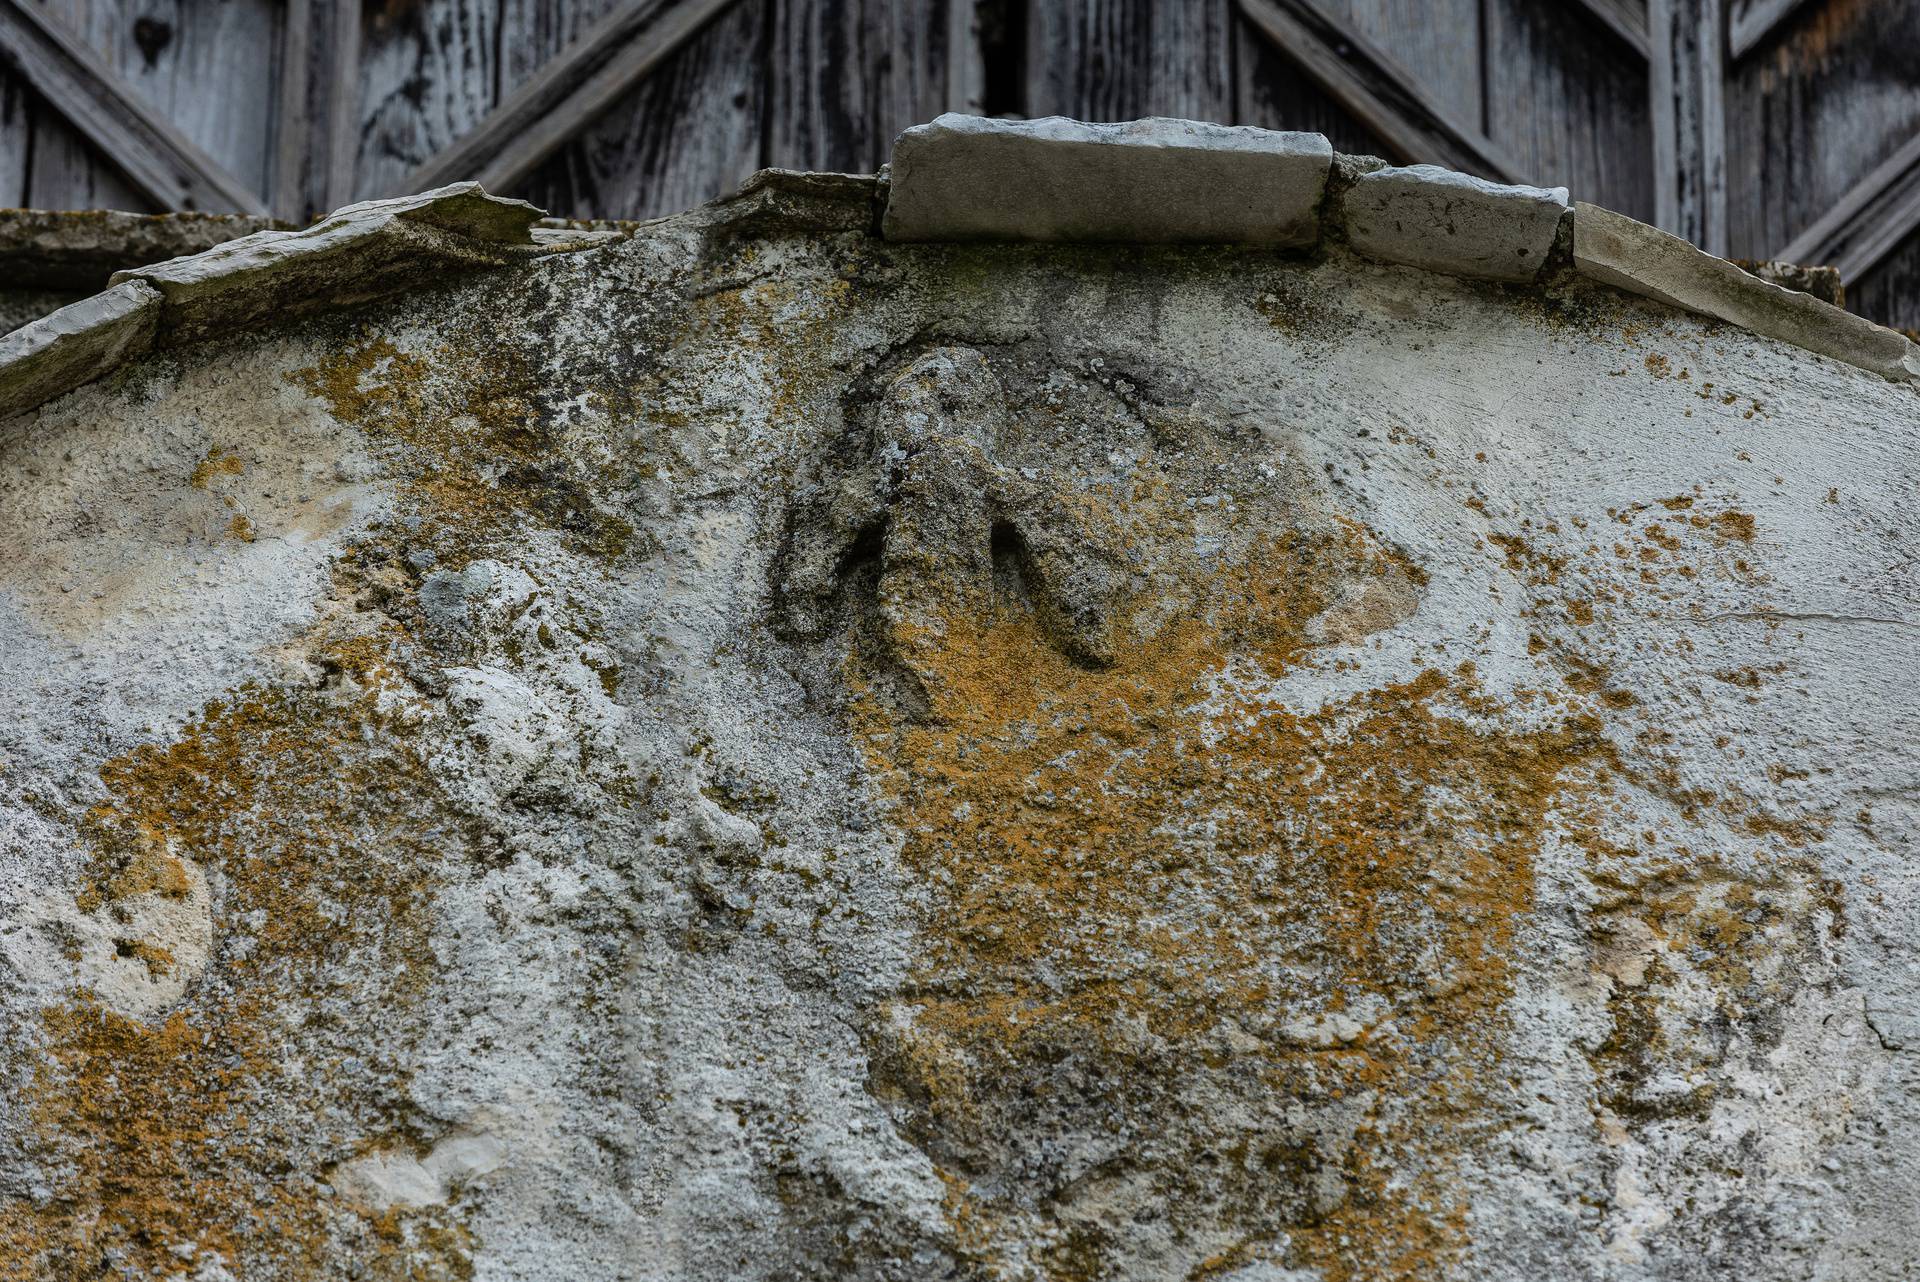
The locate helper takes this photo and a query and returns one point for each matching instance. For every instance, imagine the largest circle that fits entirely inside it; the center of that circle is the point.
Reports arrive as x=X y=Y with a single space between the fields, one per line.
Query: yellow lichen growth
x=171 y=1139
x=1135 y=865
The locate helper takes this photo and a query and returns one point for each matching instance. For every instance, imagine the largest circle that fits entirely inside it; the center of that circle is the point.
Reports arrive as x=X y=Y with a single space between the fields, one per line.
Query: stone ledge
x=80 y=249
x=75 y=345
x=1627 y=254
x=1426 y=216
x=1146 y=181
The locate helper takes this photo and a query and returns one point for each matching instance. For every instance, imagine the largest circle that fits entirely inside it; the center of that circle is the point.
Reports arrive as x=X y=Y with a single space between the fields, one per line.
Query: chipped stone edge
x=463 y=226
x=381 y=246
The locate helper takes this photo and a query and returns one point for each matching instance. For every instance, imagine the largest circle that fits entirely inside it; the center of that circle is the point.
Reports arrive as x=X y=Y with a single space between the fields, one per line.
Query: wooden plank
x=1274 y=93
x=315 y=139
x=966 y=64
x=157 y=159
x=1889 y=292
x=1123 y=59
x=1869 y=222
x=1751 y=21
x=16 y=138
x=1686 y=83
x=1625 y=20
x=571 y=91
x=690 y=131
x=1830 y=99
x=426 y=80
x=847 y=75
x=533 y=33
x=1375 y=91
x=1569 y=105
x=206 y=69
x=1437 y=41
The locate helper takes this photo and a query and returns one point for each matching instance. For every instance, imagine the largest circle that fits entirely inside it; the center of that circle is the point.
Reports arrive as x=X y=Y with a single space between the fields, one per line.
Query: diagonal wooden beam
x=566 y=94
x=1374 y=90
x=314 y=128
x=1751 y=21
x=160 y=161
x=1626 y=21
x=1867 y=223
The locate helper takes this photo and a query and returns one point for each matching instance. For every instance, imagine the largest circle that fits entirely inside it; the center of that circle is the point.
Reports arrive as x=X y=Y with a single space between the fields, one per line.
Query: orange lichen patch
x=1148 y=876
x=241 y=527
x=470 y=441
x=1734 y=525
x=203 y=1131
x=216 y=463
x=1658 y=365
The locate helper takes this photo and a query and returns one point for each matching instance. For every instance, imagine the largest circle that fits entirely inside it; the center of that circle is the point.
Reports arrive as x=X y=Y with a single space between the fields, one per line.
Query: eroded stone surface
x=969 y=178
x=1450 y=222
x=759 y=752
x=75 y=344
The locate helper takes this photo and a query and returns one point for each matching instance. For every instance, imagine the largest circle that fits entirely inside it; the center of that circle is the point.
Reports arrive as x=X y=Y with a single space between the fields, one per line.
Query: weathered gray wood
x=1869 y=222
x=505 y=148
x=1109 y=60
x=1751 y=21
x=966 y=68
x=533 y=33
x=1437 y=41
x=1569 y=104
x=847 y=75
x=157 y=159
x=1625 y=20
x=315 y=139
x=206 y=69
x=1273 y=92
x=426 y=82
x=1686 y=84
x=1376 y=91
x=1832 y=96
x=1890 y=291
x=16 y=137
x=691 y=131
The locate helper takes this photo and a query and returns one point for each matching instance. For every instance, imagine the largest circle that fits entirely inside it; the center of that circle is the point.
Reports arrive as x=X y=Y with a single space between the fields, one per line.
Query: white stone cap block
x=76 y=345
x=1426 y=216
x=1156 y=180
x=1630 y=255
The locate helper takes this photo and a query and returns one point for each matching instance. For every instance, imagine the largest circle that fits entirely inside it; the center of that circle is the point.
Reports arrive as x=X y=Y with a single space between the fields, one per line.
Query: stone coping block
x=1628 y=254
x=1154 y=180
x=79 y=249
x=76 y=345
x=1426 y=216
x=355 y=255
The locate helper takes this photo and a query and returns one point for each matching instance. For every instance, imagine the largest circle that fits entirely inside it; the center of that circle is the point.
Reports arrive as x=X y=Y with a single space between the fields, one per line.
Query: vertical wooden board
x=1810 y=113
x=1123 y=59
x=845 y=76
x=1274 y=93
x=1437 y=41
x=691 y=131
x=16 y=137
x=533 y=31
x=1890 y=293
x=427 y=75
x=206 y=66
x=1569 y=103
x=67 y=173
x=1088 y=58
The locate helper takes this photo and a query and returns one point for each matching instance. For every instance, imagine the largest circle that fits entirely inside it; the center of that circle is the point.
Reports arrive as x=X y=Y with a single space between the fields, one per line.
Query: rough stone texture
x=79 y=249
x=75 y=345
x=1823 y=283
x=757 y=752
x=968 y=178
x=21 y=306
x=1430 y=217
x=354 y=255
x=1631 y=255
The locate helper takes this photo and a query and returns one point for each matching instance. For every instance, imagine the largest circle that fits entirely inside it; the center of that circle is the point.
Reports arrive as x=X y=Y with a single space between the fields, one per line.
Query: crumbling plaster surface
x=753 y=752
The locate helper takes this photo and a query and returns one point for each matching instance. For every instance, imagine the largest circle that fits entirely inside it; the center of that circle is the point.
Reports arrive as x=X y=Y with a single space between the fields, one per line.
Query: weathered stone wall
x=760 y=752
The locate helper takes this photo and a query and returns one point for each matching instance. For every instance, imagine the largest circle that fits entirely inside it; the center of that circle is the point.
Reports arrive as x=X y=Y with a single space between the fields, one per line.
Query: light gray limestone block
x=1630 y=255
x=1155 y=180
x=356 y=254
x=1426 y=216
x=75 y=345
